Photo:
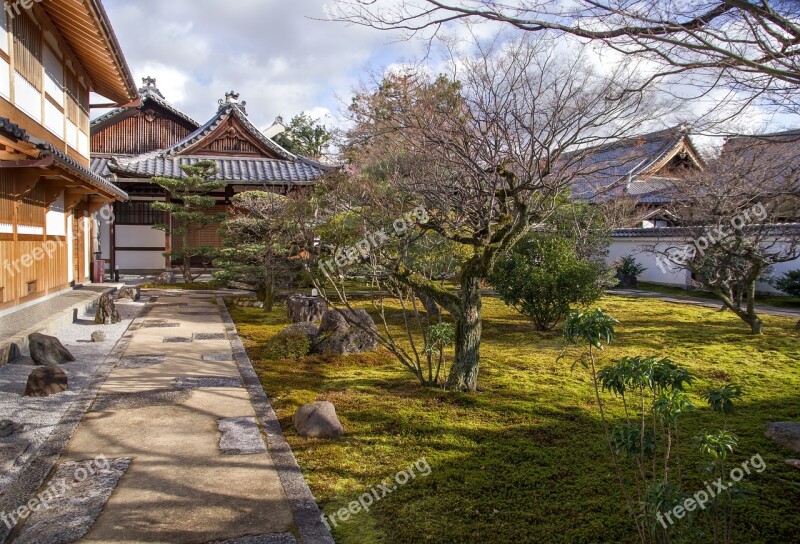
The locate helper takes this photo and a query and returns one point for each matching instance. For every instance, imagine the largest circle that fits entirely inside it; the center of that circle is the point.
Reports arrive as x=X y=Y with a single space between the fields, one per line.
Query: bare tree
x=739 y=218
x=490 y=154
x=749 y=45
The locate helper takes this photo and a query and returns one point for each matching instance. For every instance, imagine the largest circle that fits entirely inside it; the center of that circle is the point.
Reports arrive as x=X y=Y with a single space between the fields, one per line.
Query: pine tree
x=188 y=206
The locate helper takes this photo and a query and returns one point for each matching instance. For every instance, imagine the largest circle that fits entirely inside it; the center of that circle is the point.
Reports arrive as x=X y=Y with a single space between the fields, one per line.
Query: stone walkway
x=705 y=302
x=25 y=319
x=172 y=448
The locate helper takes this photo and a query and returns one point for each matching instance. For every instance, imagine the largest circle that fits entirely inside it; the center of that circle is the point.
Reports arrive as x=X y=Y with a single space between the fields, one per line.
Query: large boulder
x=107 y=313
x=318 y=420
x=45 y=381
x=301 y=309
x=48 y=350
x=307 y=328
x=165 y=278
x=130 y=293
x=344 y=332
x=785 y=433
x=8 y=427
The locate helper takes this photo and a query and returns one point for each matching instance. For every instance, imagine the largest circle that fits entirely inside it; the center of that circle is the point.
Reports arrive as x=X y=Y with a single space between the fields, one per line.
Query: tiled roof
x=12 y=130
x=244 y=171
x=613 y=168
x=148 y=94
x=224 y=112
x=74 y=167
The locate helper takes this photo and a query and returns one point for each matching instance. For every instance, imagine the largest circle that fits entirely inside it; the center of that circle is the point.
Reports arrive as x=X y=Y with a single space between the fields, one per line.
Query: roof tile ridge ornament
x=232 y=101
x=149 y=87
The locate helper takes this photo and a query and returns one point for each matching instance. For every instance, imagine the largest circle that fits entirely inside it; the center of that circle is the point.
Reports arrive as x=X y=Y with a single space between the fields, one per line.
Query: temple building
x=52 y=56
x=130 y=146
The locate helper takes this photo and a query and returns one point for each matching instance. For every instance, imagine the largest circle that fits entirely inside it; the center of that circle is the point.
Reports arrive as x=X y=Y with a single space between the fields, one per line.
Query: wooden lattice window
x=137 y=213
x=28 y=49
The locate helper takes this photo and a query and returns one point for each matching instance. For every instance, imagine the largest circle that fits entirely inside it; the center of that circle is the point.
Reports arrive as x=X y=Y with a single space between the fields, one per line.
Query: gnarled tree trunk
x=469 y=327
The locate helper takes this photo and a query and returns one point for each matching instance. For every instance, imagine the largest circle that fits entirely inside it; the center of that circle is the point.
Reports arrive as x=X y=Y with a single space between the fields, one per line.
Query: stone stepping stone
x=159 y=324
x=276 y=538
x=210 y=336
x=240 y=436
x=206 y=382
x=142 y=399
x=132 y=362
x=177 y=340
x=218 y=357
x=79 y=492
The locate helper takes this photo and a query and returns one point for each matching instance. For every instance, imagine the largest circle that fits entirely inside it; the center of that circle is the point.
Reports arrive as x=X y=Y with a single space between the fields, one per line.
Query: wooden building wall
x=142 y=132
x=34 y=264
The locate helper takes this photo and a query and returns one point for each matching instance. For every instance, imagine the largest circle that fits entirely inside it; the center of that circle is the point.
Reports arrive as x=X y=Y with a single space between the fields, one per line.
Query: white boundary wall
x=636 y=246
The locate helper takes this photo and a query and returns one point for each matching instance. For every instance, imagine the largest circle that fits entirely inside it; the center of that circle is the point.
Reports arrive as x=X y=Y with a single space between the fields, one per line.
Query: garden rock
x=46 y=381
x=8 y=352
x=8 y=427
x=107 y=313
x=165 y=278
x=337 y=336
x=318 y=420
x=797 y=327
x=626 y=281
x=785 y=433
x=307 y=328
x=98 y=337
x=48 y=350
x=130 y=293
x=301 y=309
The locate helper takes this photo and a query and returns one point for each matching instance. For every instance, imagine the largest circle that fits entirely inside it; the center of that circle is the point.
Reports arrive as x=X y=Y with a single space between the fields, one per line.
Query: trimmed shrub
x=789 y=283
x=287 y=345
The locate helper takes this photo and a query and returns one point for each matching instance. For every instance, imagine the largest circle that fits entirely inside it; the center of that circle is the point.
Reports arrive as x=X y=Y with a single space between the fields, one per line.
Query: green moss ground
x=777 y=301
x=524 y=461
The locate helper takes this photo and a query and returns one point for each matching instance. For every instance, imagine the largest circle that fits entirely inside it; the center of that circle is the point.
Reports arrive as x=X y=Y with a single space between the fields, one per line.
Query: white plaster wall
x=4 y=46
x=622 y=247
x=54 y=77
x=140 y=236
x=5 y=79
x=27 y=98
x=141 y=260
x=53 y=120
x=70 y=250
x=88 y=246
x=105 y=239
x=55 y=219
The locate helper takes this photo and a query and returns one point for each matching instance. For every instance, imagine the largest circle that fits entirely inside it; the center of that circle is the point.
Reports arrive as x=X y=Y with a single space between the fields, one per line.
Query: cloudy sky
x=276 y=53
x=282 y=56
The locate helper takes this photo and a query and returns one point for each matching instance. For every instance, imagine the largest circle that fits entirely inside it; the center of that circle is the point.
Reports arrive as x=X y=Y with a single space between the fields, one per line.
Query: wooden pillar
x=113 y=245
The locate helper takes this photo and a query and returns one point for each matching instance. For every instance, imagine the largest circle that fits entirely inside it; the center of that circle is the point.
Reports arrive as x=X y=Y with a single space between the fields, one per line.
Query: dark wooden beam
x=38 y=163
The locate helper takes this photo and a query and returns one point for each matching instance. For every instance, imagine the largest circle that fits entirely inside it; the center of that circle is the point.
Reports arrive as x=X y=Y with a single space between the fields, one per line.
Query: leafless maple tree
x=490 y=152
x=746 y=45
x=739 y=219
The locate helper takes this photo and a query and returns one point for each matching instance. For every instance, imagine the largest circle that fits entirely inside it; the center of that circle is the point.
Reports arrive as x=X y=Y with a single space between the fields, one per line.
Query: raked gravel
x=41 y=415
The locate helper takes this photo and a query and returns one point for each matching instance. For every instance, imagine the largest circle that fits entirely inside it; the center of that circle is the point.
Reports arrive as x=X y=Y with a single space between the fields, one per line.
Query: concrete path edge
x=40 y=467
x=307 y=515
